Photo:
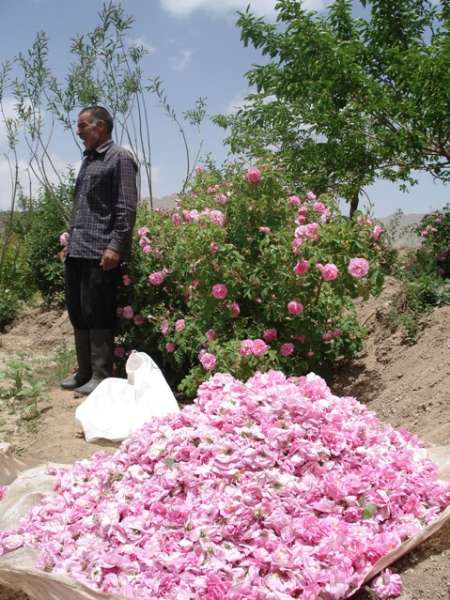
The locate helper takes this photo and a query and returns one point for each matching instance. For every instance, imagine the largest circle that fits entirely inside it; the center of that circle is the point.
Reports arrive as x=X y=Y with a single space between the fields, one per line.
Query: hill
x=399 y=227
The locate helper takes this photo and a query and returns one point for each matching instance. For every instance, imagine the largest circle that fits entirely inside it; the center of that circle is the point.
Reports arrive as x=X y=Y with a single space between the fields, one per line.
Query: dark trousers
x=91 y=293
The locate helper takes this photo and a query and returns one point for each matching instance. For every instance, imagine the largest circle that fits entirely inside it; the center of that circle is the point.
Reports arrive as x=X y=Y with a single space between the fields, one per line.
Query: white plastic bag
x=117 y=407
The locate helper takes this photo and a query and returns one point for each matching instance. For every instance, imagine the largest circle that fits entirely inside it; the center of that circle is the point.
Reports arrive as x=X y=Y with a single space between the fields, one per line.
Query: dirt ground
x=407 y=385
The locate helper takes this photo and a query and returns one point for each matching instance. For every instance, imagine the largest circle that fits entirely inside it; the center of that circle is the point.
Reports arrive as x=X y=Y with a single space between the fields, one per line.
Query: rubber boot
x=102 y=344
x=83 y=352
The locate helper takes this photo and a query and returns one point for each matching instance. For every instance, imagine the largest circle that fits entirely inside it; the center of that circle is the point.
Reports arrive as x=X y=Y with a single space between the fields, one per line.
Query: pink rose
x=310 y=196
x=219 y=291
x=376 y=232
x=235 y=309
x=320 y=208
x=287 y=349
x=119 y=351
x=270 y=335
x=295 y=307
x=312 y=231
x=164 y=327
x=329 y=271
x=296 y=245
x=170 y=347
x=146 y=249
x=177 y=219
x=294 y=200
x=259 y=347
x=127 y=312
x=309 y=231
x=216 y=589
x=142 y=231
x=208 y=360
x=221 y=198
x=358 y=267
x=156 y=278
x=180 y=324
x=253 y=175
x=388 y=585
x=264 y=229
x=64 y=239
x=301 y=267
x=246 y=347
x=211 y=335
x=330 y=335
x=126 y=280
x=213 y=247
x=199 y=169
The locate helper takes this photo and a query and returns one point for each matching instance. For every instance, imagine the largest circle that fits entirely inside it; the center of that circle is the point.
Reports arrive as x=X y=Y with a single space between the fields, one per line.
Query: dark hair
x=98 y=113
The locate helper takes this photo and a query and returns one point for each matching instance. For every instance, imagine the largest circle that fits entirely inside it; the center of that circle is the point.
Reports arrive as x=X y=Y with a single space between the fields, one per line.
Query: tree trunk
x=354 y=201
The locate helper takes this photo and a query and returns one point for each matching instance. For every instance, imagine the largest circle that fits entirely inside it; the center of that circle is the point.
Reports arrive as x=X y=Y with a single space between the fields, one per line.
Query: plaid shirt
x=104 y=207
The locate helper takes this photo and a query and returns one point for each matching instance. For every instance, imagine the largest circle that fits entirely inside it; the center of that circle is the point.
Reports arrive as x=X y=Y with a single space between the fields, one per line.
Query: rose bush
x=244 y=253
x=434 y=229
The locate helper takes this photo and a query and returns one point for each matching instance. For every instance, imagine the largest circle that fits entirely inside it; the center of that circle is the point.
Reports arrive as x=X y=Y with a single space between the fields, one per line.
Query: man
x=103 y=216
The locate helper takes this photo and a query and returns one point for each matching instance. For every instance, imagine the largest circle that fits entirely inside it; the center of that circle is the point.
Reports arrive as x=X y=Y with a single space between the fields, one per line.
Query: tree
x=344 y=100
x=107 y=69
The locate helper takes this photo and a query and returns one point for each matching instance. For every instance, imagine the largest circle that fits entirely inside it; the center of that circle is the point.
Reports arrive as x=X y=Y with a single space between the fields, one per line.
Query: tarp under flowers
x=267 y=490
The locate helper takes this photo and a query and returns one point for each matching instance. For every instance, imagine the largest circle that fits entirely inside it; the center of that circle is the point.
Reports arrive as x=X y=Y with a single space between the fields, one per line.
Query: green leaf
x=369 y=511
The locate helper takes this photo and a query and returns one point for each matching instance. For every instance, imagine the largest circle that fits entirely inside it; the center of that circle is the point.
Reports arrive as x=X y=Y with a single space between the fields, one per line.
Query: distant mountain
x=165 y=202
x=399 y=226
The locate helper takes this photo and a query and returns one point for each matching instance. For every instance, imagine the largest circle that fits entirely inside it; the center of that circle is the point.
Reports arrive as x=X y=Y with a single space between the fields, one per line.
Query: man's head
x=94 y=126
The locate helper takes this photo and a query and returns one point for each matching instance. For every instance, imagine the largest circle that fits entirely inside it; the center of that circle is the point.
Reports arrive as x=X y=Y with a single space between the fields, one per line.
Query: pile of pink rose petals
x=267 y=490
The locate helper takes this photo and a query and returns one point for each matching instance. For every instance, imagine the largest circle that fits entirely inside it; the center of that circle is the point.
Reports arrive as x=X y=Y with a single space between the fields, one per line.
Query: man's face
x=91 y=132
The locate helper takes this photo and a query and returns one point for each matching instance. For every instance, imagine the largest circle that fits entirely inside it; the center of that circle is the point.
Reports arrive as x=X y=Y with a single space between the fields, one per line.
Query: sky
x=194 y=47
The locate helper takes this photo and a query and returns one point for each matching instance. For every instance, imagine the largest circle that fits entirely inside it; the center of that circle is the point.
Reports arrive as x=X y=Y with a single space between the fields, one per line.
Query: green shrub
x=245 y=234
x=434 y=254
x=48 y=222
x=9 y=305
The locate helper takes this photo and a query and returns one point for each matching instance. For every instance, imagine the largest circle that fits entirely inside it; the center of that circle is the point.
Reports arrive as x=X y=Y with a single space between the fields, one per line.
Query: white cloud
x=182 y=60
x=240 y=102
x=236 y=103
x=182 y=8
x=141 y=41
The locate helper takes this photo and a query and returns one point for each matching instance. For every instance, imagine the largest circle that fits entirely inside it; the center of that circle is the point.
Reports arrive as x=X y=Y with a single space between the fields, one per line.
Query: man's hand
x=61 y=255
x=110 y=259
